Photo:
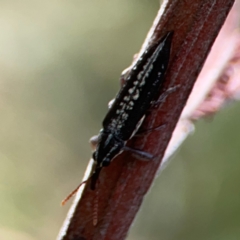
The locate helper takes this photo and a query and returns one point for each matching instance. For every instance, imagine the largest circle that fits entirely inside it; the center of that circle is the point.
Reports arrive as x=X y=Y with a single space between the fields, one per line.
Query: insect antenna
x=65 y=200
x=95 y=208
x=93 y=177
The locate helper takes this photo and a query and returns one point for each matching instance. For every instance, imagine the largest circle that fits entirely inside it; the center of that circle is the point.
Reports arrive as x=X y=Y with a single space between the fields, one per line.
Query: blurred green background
x=60 y=65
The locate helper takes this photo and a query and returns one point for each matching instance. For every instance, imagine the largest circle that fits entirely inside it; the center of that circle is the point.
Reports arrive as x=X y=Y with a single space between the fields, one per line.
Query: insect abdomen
x=141 y=88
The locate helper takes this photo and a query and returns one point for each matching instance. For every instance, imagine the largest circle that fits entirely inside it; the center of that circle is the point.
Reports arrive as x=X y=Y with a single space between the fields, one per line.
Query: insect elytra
x=140 y=90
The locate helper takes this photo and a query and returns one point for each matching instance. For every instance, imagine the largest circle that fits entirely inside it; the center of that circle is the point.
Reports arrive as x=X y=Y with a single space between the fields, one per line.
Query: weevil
x=139 y=91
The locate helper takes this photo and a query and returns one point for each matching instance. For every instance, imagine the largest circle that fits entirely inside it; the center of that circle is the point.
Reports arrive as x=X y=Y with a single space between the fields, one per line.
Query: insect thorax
x=109 y=147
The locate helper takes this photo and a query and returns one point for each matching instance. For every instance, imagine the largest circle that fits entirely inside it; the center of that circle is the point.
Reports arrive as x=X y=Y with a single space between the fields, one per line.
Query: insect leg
x=145 y=131
x=140 y=154
x=164 y=95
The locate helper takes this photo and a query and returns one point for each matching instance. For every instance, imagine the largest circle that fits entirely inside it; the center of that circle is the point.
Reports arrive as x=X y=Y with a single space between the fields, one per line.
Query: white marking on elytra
x=124 y=116
x=126 y=98
x=139 y=76
x=119 y=126
x=129 y=108
x=135 y=83
x=136 y=95
x=131 y=90
x=149 y=71
x=142 y=83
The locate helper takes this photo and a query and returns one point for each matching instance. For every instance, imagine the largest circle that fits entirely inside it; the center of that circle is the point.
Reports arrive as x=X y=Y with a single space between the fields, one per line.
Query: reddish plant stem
x=125 y=182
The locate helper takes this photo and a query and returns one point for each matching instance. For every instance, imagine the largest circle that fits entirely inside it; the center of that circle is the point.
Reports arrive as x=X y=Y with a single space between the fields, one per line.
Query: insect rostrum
x=140 y=89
